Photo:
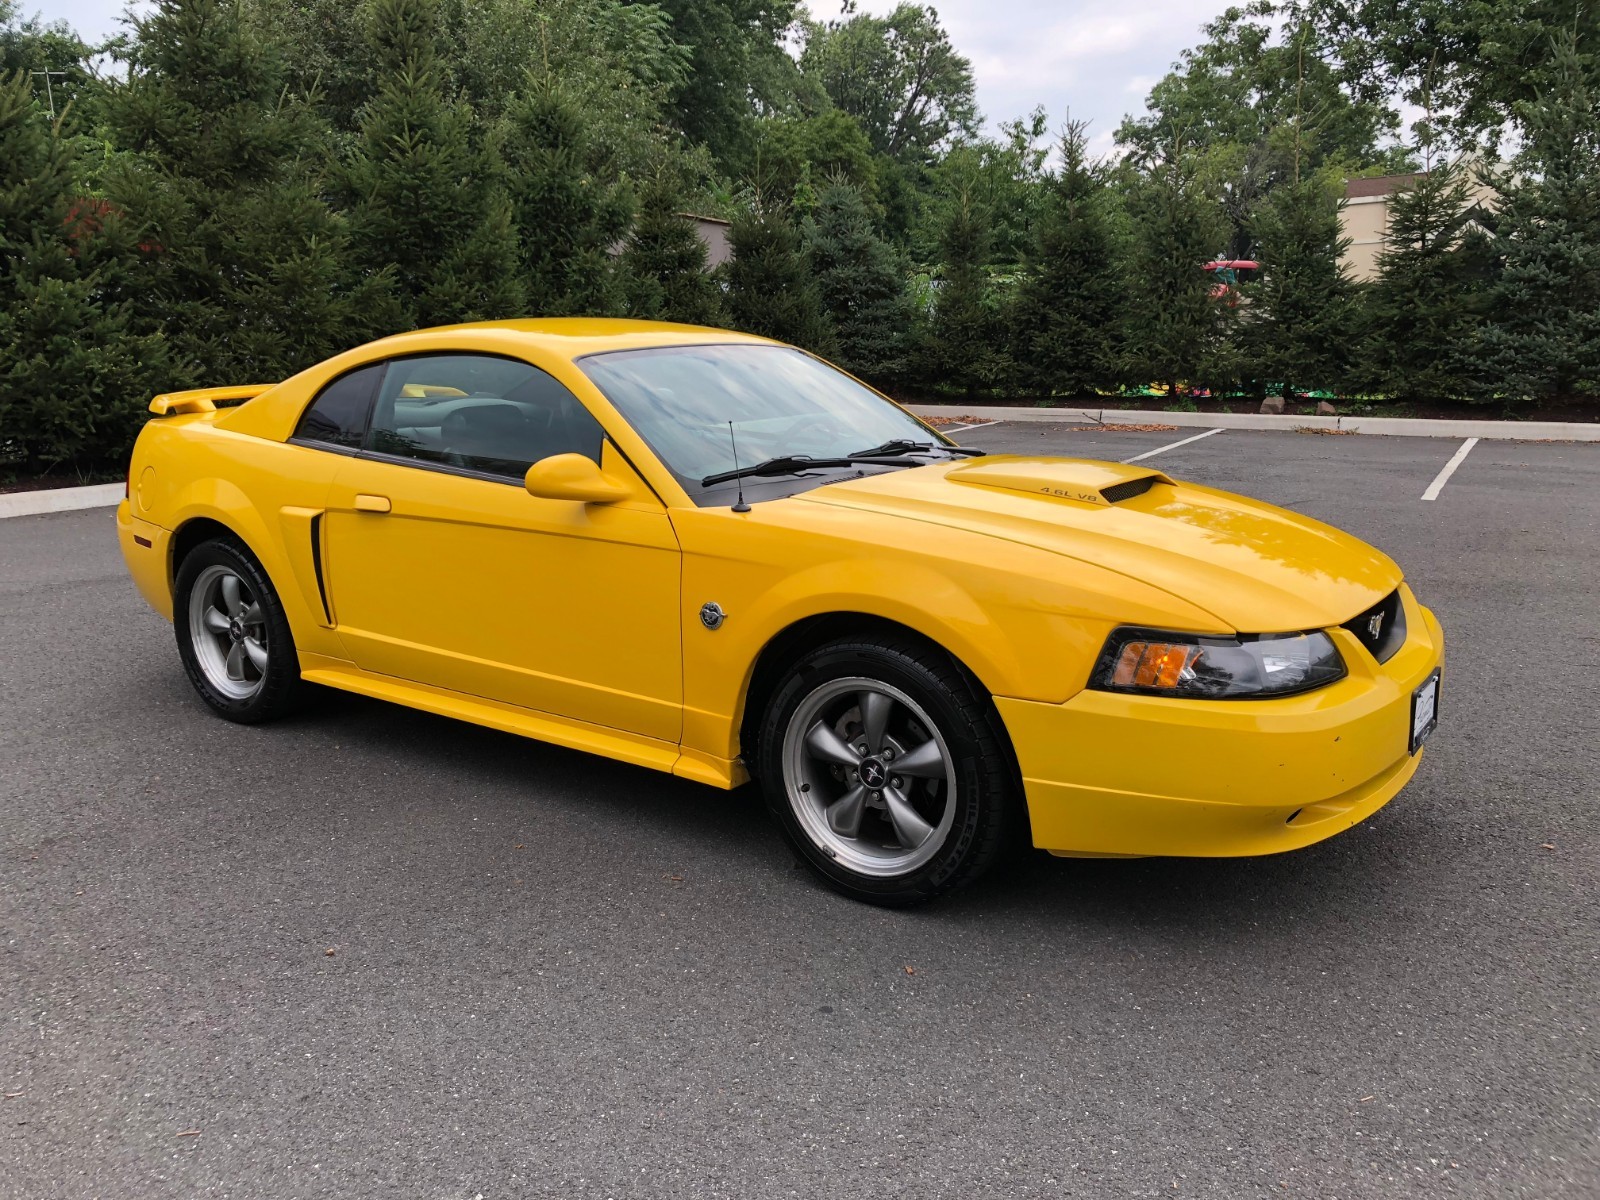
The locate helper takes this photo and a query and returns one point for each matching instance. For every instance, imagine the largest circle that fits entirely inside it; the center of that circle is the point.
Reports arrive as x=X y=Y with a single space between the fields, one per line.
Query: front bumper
x=1109 y=774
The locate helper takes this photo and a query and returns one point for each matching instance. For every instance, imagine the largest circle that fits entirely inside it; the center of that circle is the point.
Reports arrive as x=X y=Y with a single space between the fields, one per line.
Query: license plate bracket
x=1424 y=710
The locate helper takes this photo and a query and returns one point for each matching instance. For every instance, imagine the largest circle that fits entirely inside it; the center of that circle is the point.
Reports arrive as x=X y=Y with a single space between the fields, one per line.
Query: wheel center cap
x=873 y=773
x=236 y=629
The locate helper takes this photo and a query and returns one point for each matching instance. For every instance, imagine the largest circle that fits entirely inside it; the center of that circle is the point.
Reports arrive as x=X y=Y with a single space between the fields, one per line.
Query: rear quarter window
x=339 y=414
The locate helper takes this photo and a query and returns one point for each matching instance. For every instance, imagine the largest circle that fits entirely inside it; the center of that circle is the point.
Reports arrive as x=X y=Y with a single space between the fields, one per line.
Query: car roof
x=573 y=337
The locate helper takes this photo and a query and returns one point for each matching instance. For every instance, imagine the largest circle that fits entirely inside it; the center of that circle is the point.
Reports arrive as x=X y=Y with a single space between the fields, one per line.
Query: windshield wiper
x=898 y=446
x=785 y=464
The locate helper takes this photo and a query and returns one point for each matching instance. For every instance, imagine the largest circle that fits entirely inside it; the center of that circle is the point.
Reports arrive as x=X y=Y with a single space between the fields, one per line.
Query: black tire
x=976 y=757
x=273 y=689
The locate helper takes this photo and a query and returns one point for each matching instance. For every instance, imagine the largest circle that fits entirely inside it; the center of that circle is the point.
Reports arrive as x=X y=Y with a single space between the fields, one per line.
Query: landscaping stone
x=1272 y=405
x=1324 y=409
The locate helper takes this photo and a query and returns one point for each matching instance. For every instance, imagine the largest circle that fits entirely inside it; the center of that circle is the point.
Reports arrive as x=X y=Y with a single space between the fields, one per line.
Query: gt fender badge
x=711 y=615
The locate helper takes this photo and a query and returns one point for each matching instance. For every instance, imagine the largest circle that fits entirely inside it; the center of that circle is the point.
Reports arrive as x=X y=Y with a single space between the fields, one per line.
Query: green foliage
x=863 y=286
x=898 y=75
x=736 y=62
x=1468 y=63
x=1003 y=176
x=1430 y=294
x=251 y=272
x=968 y=349
x=771 y=290
x=665 y=261
x=1175 y=331
x=1298 y=326
x=793 y=153
x=1258 y=105
x=422 y=200
x=75 y=374
x=1544 y=338
x=564 y=186
x=1070 y=303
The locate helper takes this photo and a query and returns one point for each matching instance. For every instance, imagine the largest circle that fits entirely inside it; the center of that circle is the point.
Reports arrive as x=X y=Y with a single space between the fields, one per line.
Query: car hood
x=1257 y=568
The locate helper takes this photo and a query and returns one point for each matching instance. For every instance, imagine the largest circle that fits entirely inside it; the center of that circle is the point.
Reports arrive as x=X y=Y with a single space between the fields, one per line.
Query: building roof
x=1381 y=185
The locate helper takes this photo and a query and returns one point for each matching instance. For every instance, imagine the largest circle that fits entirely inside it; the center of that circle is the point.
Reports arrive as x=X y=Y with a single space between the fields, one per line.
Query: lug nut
x=876 y=795
x=896 y=781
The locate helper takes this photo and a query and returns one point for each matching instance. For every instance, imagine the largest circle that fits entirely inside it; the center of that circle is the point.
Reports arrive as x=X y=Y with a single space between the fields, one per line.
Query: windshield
x=781 y=402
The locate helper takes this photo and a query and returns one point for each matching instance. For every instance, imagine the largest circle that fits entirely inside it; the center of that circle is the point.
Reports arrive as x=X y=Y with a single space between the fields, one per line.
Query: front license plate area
x=1424 y=710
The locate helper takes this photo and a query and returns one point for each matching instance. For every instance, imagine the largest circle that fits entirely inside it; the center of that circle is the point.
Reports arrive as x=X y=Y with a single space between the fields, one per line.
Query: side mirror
x=573 y=477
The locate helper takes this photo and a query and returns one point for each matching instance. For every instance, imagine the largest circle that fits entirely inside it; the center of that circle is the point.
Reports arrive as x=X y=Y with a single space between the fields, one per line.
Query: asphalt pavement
x=367 y=952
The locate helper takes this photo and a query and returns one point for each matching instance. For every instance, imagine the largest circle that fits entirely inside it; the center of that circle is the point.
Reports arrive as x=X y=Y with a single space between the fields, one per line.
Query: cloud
x=1083 y=56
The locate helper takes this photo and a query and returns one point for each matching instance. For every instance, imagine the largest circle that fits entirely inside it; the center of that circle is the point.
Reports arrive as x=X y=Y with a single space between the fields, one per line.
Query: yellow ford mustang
x=717 y=556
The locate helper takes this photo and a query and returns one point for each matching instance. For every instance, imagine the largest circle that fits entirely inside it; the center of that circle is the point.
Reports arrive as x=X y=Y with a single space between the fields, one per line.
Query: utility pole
x=49 y=94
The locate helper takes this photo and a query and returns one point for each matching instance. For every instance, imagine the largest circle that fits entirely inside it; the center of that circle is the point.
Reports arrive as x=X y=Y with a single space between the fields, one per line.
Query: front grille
x=1389 y=616
x=1119 y=492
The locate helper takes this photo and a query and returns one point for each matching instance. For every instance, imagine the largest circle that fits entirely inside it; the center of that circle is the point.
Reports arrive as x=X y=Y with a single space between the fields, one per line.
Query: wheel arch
x=806 y=634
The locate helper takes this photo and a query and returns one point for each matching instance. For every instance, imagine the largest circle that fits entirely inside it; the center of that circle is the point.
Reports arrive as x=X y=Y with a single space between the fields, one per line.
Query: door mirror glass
x=573 y=477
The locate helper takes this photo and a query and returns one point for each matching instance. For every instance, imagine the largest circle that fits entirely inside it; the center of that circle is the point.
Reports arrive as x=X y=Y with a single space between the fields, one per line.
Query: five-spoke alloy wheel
x=233 y=636
x=883 y=763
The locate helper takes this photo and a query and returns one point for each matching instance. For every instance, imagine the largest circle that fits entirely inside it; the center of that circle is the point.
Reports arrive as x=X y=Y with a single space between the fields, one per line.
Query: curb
x=31 y=504
x=1518 y=431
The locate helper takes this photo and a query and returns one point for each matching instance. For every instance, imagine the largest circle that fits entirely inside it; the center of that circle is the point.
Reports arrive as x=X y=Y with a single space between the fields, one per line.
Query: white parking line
x=1164 y=449
x=1443 y=476
x=979 y=425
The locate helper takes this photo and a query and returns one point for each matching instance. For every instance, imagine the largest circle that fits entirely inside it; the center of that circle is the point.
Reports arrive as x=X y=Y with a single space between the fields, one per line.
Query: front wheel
x=884 y=765
x=233 y=636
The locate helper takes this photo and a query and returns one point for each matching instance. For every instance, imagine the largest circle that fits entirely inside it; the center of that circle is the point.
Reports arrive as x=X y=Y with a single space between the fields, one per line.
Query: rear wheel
x=884 y=765
x=233 y=637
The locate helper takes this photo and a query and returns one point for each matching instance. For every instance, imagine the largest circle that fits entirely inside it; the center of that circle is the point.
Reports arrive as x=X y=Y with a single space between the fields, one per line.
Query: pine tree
x=74 y=375
x=568 y=204
x=1302 y=311
x=966 y=346
x=1175 y=330
x=423 y=203
x=1430 y=295
x=1543 y=339
x=862 y=283
x=771 y=290
x=249 y=272
x=1070 y=302
x=665 y=262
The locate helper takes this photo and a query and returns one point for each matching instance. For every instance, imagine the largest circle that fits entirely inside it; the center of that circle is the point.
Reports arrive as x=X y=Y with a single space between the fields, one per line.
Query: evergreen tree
x=862 y=283
x=74 y=375
x=771 y=290
x=1544 y=336
x=1430 y=294
x=665 y=261
x=1070 y=301
x=1298 y=331
x=249 y=272
x=423 y=204
x=966 y=346
x=1174 y=333
x=568 y=204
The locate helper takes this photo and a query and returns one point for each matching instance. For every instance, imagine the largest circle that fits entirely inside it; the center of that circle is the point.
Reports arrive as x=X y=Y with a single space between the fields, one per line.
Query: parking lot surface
x=368 y=952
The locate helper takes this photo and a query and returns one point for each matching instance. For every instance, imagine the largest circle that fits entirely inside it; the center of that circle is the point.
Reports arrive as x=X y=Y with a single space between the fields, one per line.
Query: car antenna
x=741 y=506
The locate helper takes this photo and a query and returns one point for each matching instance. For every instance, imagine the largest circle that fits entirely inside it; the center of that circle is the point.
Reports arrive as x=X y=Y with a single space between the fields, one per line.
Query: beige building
x=1364 y=219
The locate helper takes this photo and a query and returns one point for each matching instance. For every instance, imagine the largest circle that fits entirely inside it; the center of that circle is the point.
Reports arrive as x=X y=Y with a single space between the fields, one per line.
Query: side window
x=338 y=416
x=495 y=415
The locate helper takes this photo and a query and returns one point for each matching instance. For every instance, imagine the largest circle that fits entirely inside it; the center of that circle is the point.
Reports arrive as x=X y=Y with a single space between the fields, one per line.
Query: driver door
x=443 y=570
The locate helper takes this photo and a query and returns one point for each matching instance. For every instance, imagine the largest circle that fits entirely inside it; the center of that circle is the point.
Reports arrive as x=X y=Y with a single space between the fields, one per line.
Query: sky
x=1094 y=58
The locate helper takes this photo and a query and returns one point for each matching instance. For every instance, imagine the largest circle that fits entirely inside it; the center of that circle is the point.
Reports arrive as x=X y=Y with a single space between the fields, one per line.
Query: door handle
x=371 y=504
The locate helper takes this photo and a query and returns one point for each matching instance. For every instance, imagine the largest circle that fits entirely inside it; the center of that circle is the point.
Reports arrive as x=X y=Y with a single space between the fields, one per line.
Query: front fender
x=1006 y=611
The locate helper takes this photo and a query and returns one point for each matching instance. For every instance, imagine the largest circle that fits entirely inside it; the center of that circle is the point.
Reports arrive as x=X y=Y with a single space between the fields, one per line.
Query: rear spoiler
x=204 y=400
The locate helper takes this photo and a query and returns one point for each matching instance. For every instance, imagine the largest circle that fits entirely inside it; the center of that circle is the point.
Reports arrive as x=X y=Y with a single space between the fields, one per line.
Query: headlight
x=1150 y=662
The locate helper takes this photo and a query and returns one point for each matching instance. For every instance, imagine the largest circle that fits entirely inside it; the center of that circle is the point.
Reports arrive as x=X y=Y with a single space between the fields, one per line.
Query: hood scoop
x=1083 y=481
